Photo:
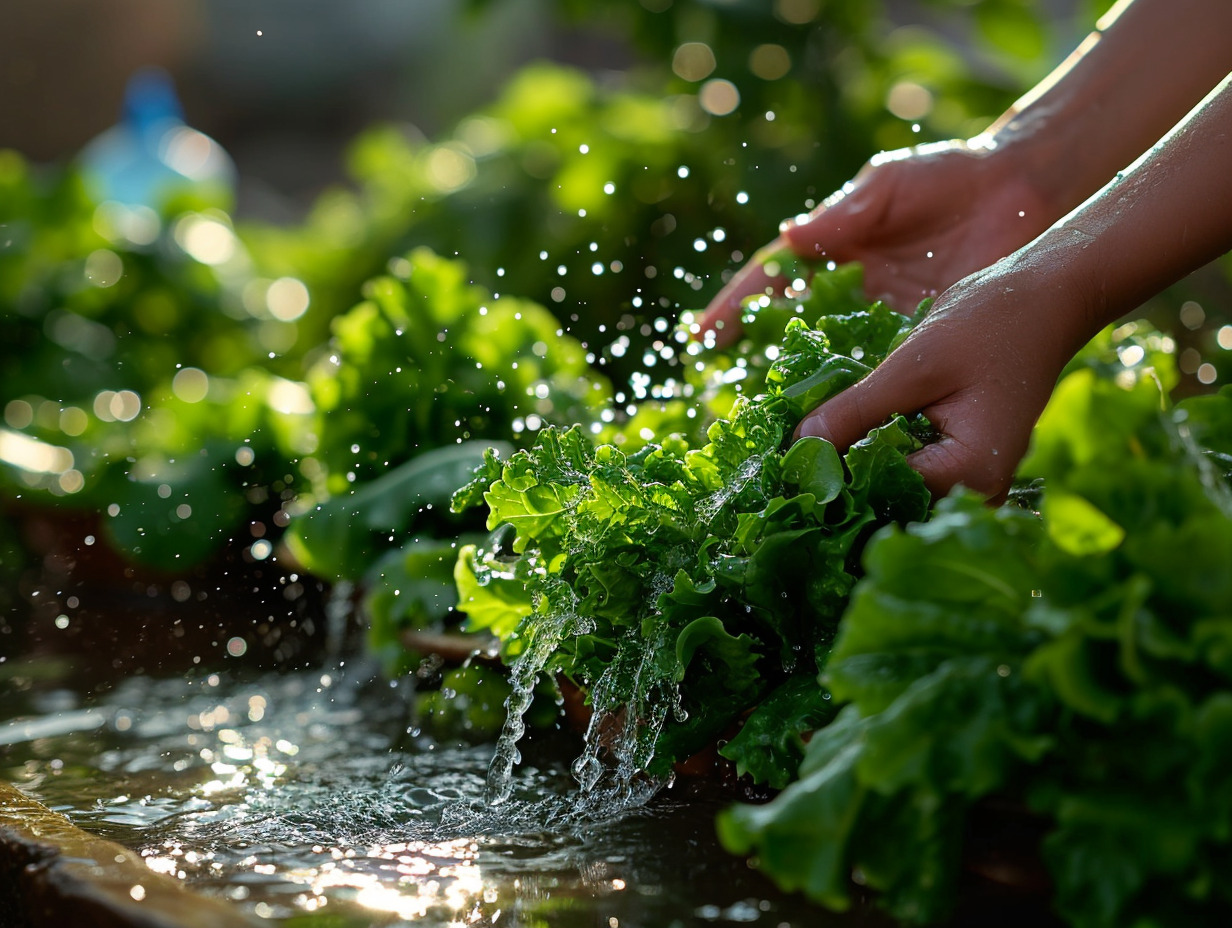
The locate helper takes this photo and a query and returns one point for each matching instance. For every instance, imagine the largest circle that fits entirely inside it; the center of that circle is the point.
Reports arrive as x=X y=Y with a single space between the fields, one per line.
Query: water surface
x=310 y=798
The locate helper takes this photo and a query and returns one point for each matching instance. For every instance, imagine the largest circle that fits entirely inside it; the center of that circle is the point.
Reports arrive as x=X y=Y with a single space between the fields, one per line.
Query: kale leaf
x=683 y=584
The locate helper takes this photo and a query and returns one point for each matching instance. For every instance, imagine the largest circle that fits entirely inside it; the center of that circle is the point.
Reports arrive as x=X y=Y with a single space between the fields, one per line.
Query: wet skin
x=1035 y=234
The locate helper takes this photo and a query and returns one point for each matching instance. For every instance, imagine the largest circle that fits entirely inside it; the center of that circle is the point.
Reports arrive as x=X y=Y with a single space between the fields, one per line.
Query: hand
x=918 y=219
x=981 y=367
x=983 y=363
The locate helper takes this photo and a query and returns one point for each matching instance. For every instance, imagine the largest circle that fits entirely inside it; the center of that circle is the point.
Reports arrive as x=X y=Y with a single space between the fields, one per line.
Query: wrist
x=1044 y=150
x=1064 y=304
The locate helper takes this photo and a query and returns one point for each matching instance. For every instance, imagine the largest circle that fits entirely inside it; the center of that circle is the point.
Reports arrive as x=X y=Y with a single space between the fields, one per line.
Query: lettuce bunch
x=688 y=584
x=1075 y=663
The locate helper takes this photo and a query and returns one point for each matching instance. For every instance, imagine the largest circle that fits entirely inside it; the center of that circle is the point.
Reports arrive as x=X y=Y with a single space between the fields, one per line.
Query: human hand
x=918 y=219
x=980 y=367
x=983 y=363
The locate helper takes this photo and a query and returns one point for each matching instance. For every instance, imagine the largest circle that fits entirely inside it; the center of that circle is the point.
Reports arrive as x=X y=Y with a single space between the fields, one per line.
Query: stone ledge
x=53 y=873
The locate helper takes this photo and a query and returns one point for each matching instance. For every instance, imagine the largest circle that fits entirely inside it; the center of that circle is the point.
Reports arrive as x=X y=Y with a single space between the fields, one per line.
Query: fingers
x=722 y=315
x=978 y=454
x=947 y=463
x=944 y=464
x=821 y=233
x=845 y=419
x=842 y=221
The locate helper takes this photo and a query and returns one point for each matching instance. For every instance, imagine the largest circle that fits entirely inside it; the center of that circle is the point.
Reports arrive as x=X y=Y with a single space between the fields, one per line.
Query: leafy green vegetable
x=1074 y=663
x=409 y=588
x=680 y=585
x=770 y=744
x=428 y=360
x=341 y=537
x=420 y=379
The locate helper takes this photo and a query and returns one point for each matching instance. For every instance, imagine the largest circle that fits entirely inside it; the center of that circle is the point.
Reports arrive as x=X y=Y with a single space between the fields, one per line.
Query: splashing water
x=305 y=808
x=747 y=473
x=544 y=637
x=338 y=611
x=615 y=727
x=631 y=700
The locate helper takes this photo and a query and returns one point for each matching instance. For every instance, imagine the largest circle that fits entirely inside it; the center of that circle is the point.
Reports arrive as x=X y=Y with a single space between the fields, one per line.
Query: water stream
x=303 y=798
x=543 y=638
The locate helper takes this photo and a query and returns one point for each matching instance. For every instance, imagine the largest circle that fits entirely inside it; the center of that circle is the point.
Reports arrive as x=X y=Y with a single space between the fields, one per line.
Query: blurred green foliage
x=138 y=382
x=429 y=360
x=640 y=188
x=109 y=297
x=1074 y=661
x=185 y=371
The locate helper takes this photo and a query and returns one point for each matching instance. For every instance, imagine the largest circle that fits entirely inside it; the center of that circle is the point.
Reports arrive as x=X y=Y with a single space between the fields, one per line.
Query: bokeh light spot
x=719 y=97
x=1192 y=314
x=693 y=61
x=769 y=62
x=18 y=414
x=190 y=384
x=909 y=100
x=73 y=421
x=104 y=268
x=206 y=240
x=449 y=168
x=287 y=299
x=797 y=12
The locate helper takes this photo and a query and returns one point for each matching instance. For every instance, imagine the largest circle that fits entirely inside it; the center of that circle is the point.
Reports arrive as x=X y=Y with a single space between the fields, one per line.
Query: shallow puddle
x=305 y=799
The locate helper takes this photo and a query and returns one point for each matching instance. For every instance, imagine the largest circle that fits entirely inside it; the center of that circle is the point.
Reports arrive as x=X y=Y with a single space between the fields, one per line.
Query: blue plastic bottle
x=151 y=154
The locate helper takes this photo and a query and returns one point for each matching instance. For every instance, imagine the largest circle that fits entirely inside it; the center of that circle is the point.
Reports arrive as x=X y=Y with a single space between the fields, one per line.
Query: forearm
x=1146 y=66
x=922 y=219
x=1164 y=216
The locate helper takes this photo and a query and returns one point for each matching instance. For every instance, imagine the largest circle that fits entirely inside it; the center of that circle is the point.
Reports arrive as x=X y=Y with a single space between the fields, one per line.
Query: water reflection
x=304 y=796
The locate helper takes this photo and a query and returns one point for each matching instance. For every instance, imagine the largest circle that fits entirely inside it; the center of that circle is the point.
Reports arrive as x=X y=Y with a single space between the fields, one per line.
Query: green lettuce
x=683 y=584
x=1072 y=663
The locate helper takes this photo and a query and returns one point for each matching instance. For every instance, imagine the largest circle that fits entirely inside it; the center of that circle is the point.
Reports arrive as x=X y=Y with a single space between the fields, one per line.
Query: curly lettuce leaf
x=680 y=584
x=771 y=742
x=1075 y=663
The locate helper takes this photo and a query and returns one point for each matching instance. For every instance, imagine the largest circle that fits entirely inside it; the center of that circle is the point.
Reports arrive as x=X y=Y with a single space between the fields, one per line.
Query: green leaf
x=412 y=587
x=343 y=536
x=1078 y=527
x=881 y=479
x=175 y=513
x=680 y=583
x=814 y=466
x=803 y=835
x=1207 y=420
x=734 y=654
x=770 y=744
x=491 y=594
x=535 y=511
